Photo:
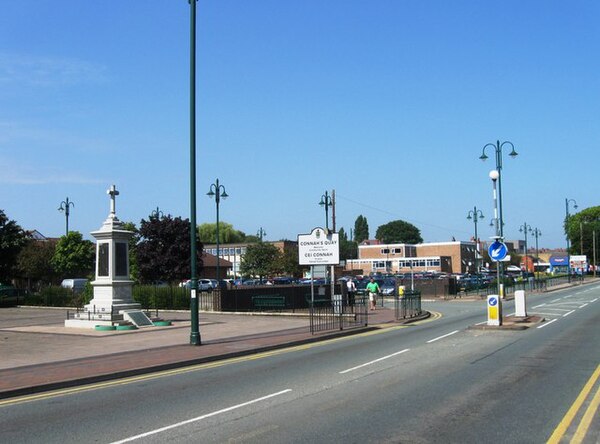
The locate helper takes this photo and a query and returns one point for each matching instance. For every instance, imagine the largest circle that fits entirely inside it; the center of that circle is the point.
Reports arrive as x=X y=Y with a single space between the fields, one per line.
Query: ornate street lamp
x=156 y=214
x=567 y=215
x=326 y=202
x=261 y=233
x=525 y=229
x=494 y=175
x=537 y=233
x=475 y=214
x=64 y=206
x=217 y=191
x=498 y=151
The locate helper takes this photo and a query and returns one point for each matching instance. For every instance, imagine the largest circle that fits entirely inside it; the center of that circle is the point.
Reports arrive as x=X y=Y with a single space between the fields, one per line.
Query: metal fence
x=338 y=314
x=538 y=284
x=408 y=305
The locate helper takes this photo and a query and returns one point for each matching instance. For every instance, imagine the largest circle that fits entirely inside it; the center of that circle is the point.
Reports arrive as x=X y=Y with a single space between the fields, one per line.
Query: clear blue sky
x=387 y=102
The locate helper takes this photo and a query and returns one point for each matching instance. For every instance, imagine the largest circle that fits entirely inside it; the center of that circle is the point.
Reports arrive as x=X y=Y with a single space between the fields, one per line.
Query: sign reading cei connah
x=319 y=248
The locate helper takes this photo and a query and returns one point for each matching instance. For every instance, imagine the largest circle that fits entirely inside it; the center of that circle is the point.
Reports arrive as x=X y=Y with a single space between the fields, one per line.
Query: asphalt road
x=435 y=382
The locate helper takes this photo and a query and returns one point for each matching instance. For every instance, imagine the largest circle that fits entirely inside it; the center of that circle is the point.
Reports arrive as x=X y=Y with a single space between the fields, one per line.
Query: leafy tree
x=348 y=248
x=579 y=229
x=398 y=232
x=261 y=259
x=133 y=271
x=12 y=240
x=289 y=263
x=163 y=252
x=73 y=256
x=227 y=234
x=35 y=262
x=361 y=229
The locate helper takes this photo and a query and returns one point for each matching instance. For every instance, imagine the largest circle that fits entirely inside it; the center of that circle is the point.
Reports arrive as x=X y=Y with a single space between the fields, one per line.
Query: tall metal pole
x=476 y=214
x=326 y=201
x=537 y=233
x=494 y=176
x=567 y=202
x=195 y=328
x=524 y=229
x=217 y=191
x=64 y=206
x=498 y=152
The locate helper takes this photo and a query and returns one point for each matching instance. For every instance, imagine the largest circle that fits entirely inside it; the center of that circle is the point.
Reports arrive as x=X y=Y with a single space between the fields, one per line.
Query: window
x=385 y=251
x=238 y=251
x=397 y=250
x=379 y=264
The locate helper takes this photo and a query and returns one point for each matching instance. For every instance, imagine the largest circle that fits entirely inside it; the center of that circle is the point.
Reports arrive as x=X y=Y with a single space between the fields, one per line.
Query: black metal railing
x=339 y=314
x=407 y=305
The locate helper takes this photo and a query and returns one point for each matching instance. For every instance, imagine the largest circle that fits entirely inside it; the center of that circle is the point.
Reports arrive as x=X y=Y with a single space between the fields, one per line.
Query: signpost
x=320 y=247
x=498 y=252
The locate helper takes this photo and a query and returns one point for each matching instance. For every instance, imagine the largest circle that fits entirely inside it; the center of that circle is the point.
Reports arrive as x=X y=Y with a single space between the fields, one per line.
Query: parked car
x=8 y=295
x=76 y=285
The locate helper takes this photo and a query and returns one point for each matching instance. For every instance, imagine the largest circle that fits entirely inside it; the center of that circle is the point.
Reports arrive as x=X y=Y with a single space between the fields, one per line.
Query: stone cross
x=112 y=191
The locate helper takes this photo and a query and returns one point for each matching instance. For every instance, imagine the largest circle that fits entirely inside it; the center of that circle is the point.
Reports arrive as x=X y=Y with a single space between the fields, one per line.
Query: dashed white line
x=593 y=300
x=374 y=361
x=442 y=337
x=541 y=305
x=199 y=418
x=567 y=314
x=584 y=305
x=547 y=323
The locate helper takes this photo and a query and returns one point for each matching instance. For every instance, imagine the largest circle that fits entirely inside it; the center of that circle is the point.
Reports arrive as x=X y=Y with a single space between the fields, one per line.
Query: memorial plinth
x=112 y=287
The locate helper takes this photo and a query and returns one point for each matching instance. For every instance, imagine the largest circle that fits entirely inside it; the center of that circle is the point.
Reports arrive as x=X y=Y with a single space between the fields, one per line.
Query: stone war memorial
x=112 y=304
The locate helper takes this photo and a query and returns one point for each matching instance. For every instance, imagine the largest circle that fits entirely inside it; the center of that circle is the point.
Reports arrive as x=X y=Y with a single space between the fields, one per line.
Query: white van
x=76 y=285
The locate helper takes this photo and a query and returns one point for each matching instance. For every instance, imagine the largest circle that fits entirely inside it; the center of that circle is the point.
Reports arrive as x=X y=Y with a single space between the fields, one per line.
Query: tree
x=579 y=229
x=163 y=252
x=261 y=259
x=348 y=248
x=361 y=229
x=398 y=232
x=73 y=256
x=133 y=271
x=12 y=240
x=289 y=263
x=35 y=262
x=227 y=234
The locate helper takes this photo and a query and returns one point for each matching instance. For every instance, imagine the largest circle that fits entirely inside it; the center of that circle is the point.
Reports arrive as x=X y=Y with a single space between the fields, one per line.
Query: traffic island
x=512 y=323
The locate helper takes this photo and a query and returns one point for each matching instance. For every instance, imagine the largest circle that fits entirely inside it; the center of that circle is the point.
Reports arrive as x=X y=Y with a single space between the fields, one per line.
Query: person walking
x=373 y=290
x=351 y=286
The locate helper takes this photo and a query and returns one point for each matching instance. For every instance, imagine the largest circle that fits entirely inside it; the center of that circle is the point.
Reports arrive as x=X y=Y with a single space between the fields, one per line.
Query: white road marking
x=442 y=337
x=374 y=361
x=593 y=300
x=584 y=305
x=541 y=305
x=547 y=323
x=567 y=314
x=199 y=418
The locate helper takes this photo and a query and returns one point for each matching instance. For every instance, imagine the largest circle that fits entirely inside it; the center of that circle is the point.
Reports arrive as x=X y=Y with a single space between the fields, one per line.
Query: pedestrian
x=373 y=290
x=351 y=286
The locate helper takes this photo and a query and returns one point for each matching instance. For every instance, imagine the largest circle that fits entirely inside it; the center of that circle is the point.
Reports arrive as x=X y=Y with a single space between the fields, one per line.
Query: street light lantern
x=326 y=202
x=494 y=175
x=498 y=151
x=217 y=191
x=475 y=214
x=64 y=206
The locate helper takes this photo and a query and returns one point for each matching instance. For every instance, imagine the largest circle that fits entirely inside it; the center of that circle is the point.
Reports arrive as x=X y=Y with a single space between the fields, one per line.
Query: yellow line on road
x=563 y=426
x=191 y=368
x=586 y=421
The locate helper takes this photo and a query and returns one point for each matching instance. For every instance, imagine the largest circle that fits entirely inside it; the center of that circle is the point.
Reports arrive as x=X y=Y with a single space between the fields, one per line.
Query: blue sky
x=388 y=102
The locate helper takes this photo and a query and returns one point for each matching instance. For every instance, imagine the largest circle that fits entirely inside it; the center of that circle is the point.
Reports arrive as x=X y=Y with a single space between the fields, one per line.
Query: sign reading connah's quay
x=319 y=248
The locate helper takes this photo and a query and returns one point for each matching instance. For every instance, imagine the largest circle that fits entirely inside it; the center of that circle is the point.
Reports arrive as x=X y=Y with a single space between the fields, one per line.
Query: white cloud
x=49 y=71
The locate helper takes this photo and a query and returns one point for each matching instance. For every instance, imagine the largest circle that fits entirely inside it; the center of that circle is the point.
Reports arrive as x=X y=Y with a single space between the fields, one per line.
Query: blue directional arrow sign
x=497 y=251
x=492 y=301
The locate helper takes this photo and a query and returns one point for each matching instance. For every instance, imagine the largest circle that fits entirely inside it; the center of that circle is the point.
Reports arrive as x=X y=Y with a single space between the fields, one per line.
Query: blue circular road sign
x=497 y=251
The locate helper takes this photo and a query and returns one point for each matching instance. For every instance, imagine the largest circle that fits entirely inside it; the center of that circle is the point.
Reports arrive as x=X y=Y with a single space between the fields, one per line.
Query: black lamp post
x=156 y=214
x=261 y=233
x=567 y=202
x=537 y=233
x=525 y=229
x=195 y=328
x=326 y=202
x=498 y=150
x=475 y=214
x=217 y=191
x=64 y=206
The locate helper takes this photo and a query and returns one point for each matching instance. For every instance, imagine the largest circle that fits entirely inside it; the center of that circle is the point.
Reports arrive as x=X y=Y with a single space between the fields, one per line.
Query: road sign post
x=494 y=310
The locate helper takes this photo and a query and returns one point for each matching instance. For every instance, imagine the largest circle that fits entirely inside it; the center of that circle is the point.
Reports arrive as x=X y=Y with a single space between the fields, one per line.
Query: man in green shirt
x=373 y=290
